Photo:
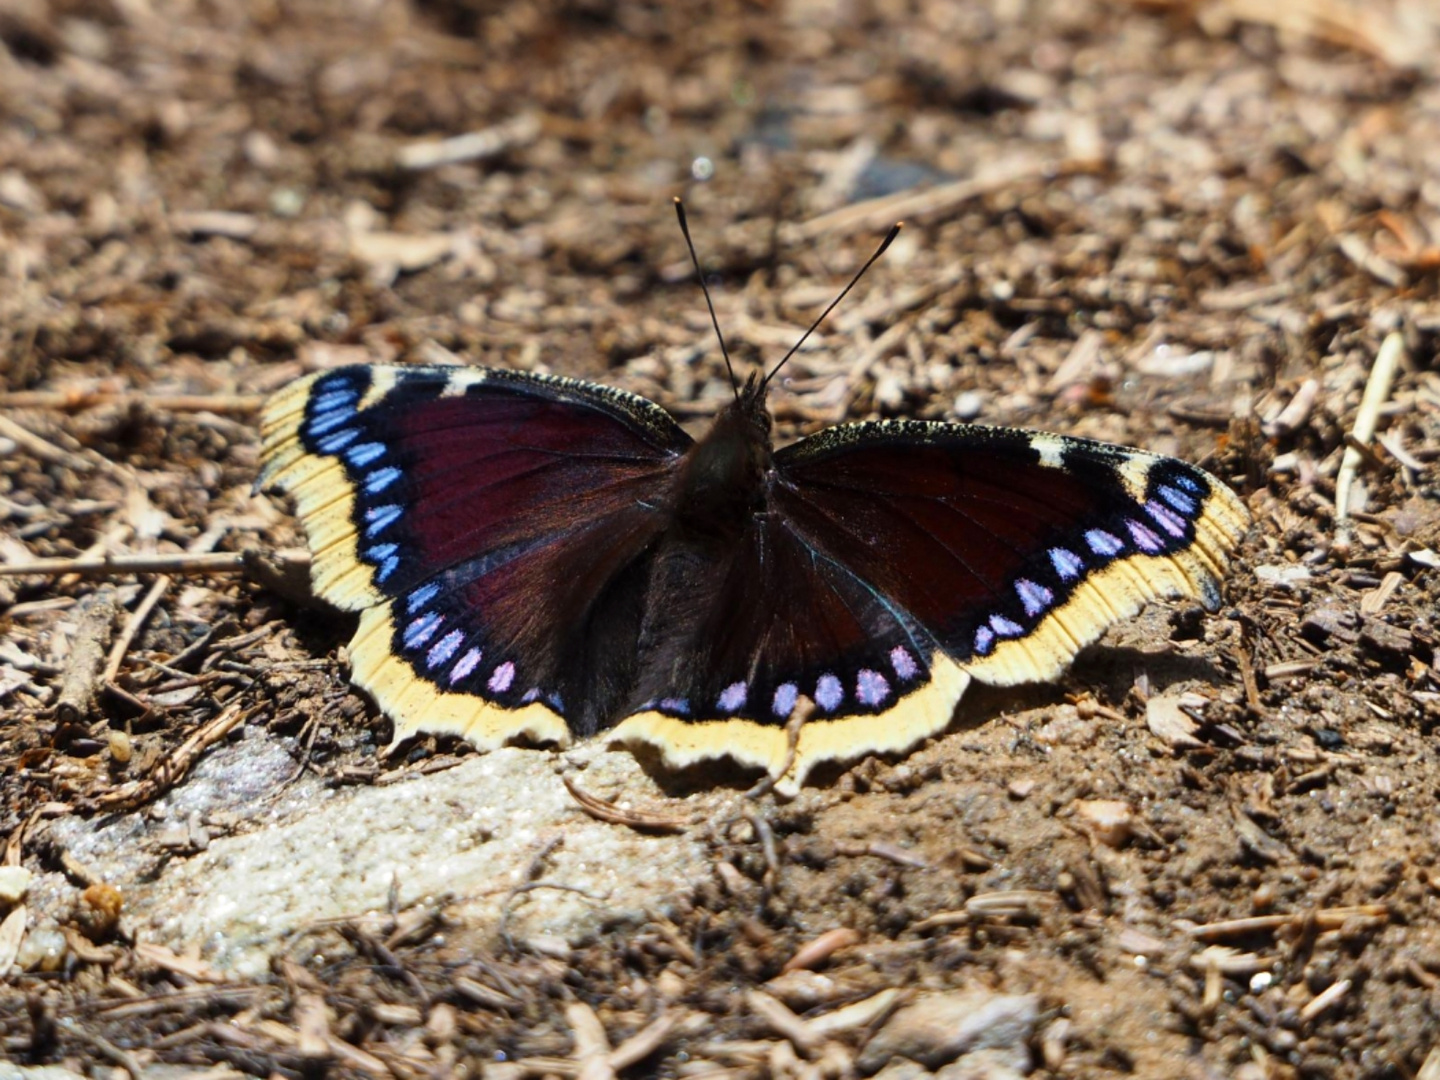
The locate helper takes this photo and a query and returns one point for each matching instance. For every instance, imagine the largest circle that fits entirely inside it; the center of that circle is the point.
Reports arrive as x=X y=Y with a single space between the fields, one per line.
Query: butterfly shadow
x=1112 y=670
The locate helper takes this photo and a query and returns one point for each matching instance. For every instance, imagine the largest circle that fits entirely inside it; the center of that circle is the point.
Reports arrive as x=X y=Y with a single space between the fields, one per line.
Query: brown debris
x=85 y=670
x=814 y=953
x=176 y=765
x=635 y=819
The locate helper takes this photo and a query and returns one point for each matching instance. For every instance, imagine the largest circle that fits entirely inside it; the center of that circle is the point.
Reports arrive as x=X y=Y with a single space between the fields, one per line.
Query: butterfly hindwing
x=782 y=620
x=487 y=524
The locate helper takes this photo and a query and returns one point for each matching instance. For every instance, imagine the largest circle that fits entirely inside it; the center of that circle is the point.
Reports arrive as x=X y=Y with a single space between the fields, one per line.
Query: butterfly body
x=544 y=559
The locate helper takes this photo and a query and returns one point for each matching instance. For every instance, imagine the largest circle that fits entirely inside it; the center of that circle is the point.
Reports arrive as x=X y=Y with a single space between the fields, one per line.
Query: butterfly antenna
x=889 y=239
x=715 y=322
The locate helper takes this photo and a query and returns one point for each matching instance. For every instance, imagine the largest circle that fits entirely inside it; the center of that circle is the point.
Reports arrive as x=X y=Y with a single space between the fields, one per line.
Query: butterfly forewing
x=488 y=523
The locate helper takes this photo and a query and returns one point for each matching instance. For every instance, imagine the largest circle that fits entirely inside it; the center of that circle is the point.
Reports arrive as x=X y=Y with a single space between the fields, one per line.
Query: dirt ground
x=1187 y=227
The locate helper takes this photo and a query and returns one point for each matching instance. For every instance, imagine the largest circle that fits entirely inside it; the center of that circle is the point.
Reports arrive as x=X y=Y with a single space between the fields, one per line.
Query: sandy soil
x=1157 y=224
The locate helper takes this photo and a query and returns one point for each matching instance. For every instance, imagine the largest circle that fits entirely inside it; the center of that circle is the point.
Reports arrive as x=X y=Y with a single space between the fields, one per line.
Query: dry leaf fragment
x=1166 y=718
x=12 y=932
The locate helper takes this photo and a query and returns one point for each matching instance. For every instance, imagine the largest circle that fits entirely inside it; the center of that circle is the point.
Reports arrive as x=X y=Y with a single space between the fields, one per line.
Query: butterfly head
x=751 y=405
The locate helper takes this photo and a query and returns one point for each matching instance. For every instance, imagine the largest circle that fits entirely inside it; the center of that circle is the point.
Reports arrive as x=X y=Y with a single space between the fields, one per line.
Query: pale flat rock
x=469 y=833
x=903 y=1069
x=1011 y=1063
x=940 y=1028
x=10 y=1071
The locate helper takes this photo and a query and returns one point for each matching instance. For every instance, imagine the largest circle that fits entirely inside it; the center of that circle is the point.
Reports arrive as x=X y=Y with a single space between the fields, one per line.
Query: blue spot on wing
x=364 y=454
x=334 y=443
x=381 y=517
x=319 y=425
x=380 y=479
x=334 y=399
x=422 y=596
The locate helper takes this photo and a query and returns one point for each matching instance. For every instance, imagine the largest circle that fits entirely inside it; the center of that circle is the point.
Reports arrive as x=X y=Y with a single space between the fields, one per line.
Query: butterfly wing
x=899 y=560
x=490 y=526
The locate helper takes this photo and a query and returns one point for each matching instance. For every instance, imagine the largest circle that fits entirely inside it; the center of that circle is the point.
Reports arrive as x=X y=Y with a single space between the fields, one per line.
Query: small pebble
x=1112 y=821
x=14 y=884
x=100 y=911
x=968 y=405
x=43 y=949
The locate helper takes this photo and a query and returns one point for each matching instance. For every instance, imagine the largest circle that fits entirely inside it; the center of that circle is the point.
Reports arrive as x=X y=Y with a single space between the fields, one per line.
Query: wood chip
x=860 y=1014
x=1009 y=904
x=226 y=223
x=1111 y=821
x=85 y=666
x=1328 y=998
x=1377 y=391
x=473 y=146
x=816 y=952
x=1376 y=599
x=645 y=1041
x=1166 y=718
x=12 y=933
x=783 y=1022
x=394 y=252
x=190 y=967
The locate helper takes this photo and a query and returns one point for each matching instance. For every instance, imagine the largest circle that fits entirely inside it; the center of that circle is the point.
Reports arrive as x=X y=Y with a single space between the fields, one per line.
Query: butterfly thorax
x=722 y=480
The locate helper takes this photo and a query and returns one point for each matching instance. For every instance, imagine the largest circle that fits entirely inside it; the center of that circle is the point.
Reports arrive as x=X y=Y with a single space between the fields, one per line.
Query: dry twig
x=873 y=215
x=799 y=716
x=1325 y=919
x=169 y=771
x=85 y=668
x=1377 y=390
x=41 y=448
x=63 y=401
x=202 y=544
x=473 y=146
x=180 y=562
x=635 y=819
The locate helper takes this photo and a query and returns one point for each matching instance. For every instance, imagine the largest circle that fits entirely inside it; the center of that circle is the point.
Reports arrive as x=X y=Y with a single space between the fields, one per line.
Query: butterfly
x=536 y=558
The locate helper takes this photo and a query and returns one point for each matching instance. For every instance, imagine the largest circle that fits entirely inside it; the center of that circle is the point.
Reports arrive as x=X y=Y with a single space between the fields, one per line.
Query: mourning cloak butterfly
x=539 y=558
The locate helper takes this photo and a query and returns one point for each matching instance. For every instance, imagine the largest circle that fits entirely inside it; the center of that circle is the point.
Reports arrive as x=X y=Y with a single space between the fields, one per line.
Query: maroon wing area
x=978 y=533
x=484 y=472
x=941 y=534
x=507 y=517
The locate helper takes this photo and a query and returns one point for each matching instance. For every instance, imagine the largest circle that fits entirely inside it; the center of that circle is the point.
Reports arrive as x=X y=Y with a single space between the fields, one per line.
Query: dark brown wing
x=492 y=527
